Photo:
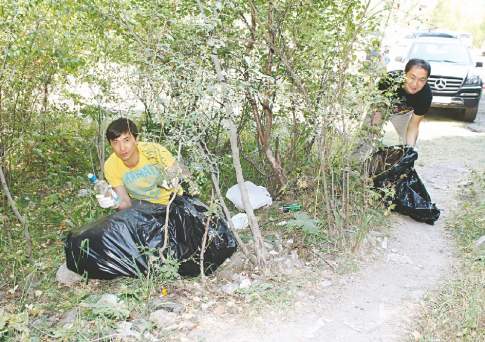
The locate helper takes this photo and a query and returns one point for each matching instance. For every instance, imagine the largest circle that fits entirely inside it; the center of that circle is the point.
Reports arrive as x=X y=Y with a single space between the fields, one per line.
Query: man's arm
x=124 y=197
x=413 y=129
x=376 y=119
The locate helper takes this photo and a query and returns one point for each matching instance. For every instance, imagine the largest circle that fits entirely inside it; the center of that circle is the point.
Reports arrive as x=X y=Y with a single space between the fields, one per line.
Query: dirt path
x=378 y=302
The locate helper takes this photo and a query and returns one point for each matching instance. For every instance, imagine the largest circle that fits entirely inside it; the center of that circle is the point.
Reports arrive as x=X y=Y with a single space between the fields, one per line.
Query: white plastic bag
x=258 y=196
x=240 y=221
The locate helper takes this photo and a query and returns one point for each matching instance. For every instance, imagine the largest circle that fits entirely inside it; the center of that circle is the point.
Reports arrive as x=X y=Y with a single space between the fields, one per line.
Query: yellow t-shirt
x=143 y=181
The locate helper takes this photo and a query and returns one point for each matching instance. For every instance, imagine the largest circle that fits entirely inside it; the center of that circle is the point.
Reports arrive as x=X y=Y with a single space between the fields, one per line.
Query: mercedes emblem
x=440 y=84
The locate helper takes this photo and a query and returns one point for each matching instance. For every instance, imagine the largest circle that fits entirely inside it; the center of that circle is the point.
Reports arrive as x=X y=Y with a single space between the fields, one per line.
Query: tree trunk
x=264 y=118
x=264 y=135
x=227 y=214
x=253 y=222
x=100 y=142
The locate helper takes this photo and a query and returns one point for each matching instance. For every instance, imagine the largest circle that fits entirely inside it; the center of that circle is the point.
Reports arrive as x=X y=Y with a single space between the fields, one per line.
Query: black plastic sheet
x=393 y=166
x=120 y=244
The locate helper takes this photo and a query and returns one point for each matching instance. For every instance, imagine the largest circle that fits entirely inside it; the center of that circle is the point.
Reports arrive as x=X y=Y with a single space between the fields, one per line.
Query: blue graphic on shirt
x=144 y=183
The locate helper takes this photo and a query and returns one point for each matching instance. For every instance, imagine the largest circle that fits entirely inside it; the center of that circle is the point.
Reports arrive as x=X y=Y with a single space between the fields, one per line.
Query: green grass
x=457 y=312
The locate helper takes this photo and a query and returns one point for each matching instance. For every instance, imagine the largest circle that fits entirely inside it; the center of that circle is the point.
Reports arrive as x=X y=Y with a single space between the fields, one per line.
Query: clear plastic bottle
x=102 y=188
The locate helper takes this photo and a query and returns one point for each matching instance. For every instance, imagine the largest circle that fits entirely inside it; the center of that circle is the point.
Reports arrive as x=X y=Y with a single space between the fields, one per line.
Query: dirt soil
x=379 y=301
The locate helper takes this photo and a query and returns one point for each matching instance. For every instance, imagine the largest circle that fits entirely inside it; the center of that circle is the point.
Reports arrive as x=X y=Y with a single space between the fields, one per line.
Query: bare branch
x=202 y=248
x=19 y=217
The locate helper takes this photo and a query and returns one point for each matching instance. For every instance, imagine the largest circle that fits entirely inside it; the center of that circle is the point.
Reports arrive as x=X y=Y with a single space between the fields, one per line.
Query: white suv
x=454 y=80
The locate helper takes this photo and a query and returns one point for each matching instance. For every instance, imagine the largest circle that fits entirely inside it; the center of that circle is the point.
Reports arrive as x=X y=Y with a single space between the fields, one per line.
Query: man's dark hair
x=119 y=127
x=420 y=63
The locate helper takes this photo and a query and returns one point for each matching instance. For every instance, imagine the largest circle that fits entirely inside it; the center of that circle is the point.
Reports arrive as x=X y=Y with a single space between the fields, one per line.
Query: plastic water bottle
x=103 y=189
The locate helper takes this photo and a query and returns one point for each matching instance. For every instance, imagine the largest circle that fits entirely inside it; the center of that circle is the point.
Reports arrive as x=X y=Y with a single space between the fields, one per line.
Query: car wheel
x=470 y=114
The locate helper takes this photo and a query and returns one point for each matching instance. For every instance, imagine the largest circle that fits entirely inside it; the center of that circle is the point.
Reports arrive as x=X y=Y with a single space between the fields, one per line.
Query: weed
x=457 y=313
x=264 y=295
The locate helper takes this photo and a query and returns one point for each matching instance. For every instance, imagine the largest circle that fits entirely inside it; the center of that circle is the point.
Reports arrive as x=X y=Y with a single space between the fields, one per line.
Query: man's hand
x=413 y=129
x=106 y=201
x=125 y=201
x=174 y=176
x=172 y=183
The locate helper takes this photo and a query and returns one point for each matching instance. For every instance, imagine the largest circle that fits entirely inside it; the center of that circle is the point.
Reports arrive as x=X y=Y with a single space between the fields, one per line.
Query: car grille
x=445 y=85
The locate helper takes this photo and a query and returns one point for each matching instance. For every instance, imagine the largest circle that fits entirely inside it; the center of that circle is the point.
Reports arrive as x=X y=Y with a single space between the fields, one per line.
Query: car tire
x=470 y=114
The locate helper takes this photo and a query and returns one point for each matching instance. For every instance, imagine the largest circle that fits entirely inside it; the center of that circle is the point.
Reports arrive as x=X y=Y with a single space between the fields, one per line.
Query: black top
x=392 y=87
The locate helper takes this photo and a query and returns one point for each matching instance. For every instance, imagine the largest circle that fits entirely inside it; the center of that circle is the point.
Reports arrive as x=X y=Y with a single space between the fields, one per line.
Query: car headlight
x=473 y=80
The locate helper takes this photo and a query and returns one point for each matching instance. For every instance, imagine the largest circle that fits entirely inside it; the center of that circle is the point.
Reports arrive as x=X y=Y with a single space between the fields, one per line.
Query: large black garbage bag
x=393 y=166
x=120 y=244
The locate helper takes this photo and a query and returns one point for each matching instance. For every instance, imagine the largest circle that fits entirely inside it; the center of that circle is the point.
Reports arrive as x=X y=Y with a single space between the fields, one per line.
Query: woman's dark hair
x=119 y=127
x=420 y=63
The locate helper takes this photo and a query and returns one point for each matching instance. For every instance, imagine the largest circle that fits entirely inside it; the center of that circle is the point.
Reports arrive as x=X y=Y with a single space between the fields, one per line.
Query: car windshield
x=439 y=52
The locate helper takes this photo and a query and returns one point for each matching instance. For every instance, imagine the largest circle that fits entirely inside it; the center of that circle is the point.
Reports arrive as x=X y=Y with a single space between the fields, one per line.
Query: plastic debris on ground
x=393 y=166
x=240 y=221
x=258 y=196
x=291 y=207
x=122 y=243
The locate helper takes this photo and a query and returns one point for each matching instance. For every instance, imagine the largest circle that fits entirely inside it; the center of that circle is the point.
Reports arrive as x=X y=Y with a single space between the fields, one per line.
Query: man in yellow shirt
x=138 y=170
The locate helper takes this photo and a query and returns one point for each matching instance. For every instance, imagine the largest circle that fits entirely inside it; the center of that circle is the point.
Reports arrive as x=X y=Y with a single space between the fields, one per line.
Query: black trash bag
x=117 y=245
x=393 y=166
x=389 y=163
